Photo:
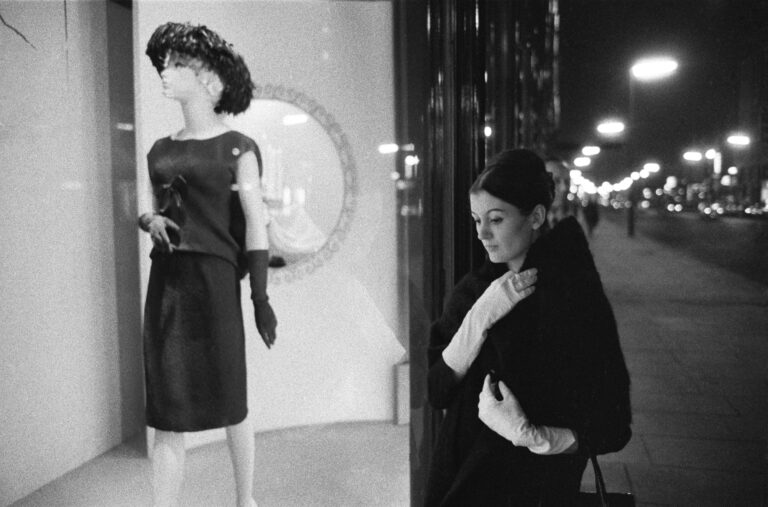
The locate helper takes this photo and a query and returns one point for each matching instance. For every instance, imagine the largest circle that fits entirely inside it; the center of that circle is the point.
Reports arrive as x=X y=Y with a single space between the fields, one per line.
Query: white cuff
x=549 y=440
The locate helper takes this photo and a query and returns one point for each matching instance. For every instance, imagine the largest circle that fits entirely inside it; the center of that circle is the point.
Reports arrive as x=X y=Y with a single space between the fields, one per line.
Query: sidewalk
x=695 y=338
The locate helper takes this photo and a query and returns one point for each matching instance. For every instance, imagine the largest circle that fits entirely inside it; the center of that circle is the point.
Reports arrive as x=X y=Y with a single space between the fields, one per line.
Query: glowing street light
x=652 y=167
x=582 y=161
x=611 y=127
x=651 y=69
x=590 y=151
x=693 y=156
x=739 y=139
x=710 y=154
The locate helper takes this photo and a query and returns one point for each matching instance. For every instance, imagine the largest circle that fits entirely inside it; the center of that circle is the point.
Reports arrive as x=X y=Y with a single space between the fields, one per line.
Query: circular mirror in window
x=308 y=178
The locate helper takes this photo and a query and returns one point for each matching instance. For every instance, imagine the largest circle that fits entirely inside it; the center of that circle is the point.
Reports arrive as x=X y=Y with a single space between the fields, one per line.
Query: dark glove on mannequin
x=266 y=322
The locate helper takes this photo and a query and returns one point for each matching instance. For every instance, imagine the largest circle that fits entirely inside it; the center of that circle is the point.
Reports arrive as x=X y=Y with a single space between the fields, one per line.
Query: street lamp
x=611 y=127
x=644 y=70
x=653 y=68
x=739 y=139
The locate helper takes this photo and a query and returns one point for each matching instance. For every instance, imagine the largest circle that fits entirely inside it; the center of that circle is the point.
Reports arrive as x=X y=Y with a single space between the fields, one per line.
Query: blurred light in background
x=411 y=160
x=635 y=175
x=590 y=151
x=692 y=156
x=733 y=170
x=582 y=161
x=649 y=69
x=739 y=139
x=611 y=127
x=488 y=131
x=710 y=153
x=388 y=148
x=652 y=167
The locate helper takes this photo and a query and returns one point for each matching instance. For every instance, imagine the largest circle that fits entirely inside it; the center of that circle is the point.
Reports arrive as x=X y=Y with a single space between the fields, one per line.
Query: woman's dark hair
x=518 y=177
x=202 y=43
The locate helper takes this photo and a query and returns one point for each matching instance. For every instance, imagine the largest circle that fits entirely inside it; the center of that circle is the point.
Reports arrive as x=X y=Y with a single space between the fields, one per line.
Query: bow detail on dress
x=171 y=199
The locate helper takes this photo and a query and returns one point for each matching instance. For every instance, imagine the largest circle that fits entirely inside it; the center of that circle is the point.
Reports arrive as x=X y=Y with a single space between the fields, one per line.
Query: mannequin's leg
x=241 y=449
x=167 y=467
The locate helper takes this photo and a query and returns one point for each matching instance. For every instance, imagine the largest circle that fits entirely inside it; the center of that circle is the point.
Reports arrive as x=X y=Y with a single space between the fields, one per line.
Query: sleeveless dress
x=194 y=343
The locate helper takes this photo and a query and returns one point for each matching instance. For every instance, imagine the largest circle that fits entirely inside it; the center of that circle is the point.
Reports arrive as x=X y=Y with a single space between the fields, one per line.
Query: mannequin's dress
x=194 y=347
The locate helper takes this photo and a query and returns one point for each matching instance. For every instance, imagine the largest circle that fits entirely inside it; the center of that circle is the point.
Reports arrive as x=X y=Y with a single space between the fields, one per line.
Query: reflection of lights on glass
x=301 y=195
x=692 y=156
x=611 y=127
x=388 y=148
x=738 y=139
x=733 y=170
x=590 y=151
x=487 y=131
x=295 y=119
x=411 y=160
x=635 y=175
x=652 y=167
x=582 y=161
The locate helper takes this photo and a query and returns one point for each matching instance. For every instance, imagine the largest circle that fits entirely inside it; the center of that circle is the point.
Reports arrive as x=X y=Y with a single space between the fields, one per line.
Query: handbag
x=601 y=497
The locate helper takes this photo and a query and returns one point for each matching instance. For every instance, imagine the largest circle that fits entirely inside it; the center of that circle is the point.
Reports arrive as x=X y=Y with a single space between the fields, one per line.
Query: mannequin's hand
x=266 y=322
x=506 y=417
x=503 y=294
x=158 y=228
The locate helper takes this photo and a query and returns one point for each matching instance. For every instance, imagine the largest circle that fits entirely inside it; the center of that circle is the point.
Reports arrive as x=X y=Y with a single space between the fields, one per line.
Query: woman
x=194 y=349
x=525 y=359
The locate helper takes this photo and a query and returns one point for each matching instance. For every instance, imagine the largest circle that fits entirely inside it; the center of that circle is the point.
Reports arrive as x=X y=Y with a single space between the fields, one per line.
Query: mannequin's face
x=179 y=76
x=506 y=233
x=186 y=78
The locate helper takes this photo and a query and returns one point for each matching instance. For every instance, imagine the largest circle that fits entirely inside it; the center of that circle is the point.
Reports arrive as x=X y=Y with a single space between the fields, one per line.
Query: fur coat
x=558 y=351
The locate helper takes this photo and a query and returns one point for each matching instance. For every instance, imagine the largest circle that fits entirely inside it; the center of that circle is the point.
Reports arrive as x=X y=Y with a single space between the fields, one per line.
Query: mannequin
x=193 y=333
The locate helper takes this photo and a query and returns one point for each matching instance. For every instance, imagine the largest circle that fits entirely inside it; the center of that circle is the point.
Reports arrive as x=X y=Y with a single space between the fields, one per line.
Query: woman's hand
x=503 y=294
x=497 y=300
x=505 y=416
x=157 y=226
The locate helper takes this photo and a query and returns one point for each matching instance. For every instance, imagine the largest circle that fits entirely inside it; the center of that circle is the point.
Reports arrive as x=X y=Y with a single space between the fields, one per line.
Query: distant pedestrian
x=591 y=212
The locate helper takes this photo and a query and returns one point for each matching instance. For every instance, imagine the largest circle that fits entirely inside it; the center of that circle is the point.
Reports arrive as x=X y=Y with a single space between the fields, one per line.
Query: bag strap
x=599 y=482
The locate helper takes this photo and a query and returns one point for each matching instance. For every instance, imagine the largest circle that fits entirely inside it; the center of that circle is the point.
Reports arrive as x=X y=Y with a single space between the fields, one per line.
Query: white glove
x=497 y=300
x=507 y=418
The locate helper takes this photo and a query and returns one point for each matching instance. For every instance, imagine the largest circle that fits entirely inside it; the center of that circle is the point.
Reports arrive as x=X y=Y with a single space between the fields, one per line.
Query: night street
x=734 y=243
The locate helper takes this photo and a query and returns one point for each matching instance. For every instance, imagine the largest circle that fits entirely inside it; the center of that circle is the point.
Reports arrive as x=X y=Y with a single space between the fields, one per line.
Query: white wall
x=60 y=390
x=336 y=344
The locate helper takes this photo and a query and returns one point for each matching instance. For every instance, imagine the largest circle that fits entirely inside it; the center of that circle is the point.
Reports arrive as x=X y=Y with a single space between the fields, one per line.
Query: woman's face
x=506 y=233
